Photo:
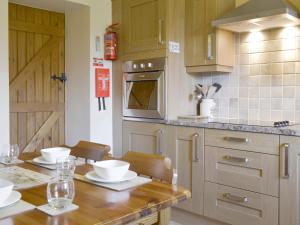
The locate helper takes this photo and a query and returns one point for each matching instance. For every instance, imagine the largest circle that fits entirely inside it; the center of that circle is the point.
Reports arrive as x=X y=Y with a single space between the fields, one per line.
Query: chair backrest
x=90 y=150
x=154 y=166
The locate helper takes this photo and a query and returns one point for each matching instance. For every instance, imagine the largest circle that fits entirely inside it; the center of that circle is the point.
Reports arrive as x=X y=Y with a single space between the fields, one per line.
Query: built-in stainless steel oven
x=144 y=88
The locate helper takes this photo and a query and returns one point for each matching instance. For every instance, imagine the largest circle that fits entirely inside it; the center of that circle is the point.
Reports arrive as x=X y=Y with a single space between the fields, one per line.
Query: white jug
x=206 y=107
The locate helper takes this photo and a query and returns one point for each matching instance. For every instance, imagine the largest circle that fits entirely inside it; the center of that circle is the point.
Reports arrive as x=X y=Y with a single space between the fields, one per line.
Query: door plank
x=39 y=136
x=36 y=107
x=24 y=73
x=35 y=28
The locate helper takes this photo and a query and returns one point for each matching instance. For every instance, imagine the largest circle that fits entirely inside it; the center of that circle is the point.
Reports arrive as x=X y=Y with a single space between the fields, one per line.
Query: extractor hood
x=259 y=15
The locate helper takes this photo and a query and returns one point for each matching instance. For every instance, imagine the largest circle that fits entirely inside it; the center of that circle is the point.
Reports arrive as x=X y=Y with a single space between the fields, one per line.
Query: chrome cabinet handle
x=236 y=159
x=195 y=147
x=210 y=48
x=235 y=198
x=160 y=26
x=159 y=134
x=236 y=139
x=285 y=170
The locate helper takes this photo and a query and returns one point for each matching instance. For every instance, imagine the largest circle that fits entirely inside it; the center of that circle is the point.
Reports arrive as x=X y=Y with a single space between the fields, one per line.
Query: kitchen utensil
x=218 y=87
x=14 y=197
x=41 y=160
x=11 y=153
x=129 y=175
x=60 y=193
x=51 y=154
x=111 y=169
x=5 y=189
x=65 y=167
x=206 y=107
x=211 y=91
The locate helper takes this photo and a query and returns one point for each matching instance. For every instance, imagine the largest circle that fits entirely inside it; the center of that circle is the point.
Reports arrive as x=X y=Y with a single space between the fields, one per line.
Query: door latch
x=62 y=78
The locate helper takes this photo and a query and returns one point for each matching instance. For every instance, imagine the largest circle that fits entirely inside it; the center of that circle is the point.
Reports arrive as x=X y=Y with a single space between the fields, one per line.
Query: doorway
x=36 y=53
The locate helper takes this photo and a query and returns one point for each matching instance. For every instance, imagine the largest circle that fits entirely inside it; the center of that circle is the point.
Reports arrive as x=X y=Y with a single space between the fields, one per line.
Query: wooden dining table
x=98 y=205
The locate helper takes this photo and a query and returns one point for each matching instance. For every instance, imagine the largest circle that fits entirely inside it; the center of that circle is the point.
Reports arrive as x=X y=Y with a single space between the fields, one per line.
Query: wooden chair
x=154 y=166
x=89 y=150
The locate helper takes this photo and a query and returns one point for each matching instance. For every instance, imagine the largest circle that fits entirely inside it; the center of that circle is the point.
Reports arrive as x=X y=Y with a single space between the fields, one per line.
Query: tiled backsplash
x=265 y=84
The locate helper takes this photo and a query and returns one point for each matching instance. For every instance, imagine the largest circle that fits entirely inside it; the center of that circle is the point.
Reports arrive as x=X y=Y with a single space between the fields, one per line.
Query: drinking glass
x=60 y=193
x=11 y=154
x=65 y=167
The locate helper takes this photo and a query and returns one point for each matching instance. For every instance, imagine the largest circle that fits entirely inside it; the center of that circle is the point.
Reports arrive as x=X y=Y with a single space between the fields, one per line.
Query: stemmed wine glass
x=11 y=154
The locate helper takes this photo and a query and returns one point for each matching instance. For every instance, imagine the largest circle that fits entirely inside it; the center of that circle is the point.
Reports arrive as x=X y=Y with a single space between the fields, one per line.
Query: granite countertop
x=265 y=127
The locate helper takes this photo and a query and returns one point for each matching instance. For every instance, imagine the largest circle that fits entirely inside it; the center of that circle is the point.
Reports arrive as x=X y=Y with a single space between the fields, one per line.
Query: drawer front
x=247 y=170
x=239 y=207
x=264 y=143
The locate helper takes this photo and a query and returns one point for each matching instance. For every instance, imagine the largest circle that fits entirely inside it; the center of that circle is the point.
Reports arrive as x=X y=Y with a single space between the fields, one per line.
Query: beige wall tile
x=289 y=79
x=276 y=104
x=289 y=67
x=276 y=92
x=289 y=92
x=276 y=68
x=265 y=92
x=276 y=80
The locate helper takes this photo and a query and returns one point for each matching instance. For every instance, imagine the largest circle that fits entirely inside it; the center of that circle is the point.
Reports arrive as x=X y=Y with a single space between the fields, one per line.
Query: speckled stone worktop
x=234 y=125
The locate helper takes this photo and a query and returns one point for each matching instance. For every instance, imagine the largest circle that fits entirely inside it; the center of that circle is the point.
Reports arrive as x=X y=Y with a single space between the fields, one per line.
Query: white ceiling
x=51 y=5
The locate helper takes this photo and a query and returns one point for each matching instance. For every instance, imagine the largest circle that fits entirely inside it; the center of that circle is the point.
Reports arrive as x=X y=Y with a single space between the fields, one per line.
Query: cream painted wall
x=100 y=123
x=77 y=70
x=4 y=74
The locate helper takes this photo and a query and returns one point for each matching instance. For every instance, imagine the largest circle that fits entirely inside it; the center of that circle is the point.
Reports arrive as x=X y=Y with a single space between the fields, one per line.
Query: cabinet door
x=143 y=25
x=195 y=42
x=186 y=146
x=217 y=40
x=290 y=180
x=207 y=48
x=144 y=137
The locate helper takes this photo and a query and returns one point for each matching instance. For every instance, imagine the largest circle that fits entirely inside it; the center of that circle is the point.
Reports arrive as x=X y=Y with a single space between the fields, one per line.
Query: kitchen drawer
x=264 y=143
x=241 y=169
x=239 y=207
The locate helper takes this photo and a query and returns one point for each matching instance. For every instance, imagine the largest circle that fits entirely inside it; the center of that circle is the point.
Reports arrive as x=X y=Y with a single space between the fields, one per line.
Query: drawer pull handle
x=236 y=139
x=236 y=159
x=159 y=136
x=285 y=168
x=235 y=198
x=195 y=147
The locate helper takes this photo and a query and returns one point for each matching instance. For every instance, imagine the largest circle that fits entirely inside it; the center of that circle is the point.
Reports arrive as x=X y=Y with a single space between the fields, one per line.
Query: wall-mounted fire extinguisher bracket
x=111 y=42
x=102 y=80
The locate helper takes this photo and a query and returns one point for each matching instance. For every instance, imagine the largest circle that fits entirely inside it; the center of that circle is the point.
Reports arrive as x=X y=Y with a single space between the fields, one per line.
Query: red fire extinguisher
x=110 y=43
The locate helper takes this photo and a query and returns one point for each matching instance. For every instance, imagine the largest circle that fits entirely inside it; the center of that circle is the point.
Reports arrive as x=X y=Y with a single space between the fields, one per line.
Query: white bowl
x=111 y=169
x=52 y=154
x=6 y=188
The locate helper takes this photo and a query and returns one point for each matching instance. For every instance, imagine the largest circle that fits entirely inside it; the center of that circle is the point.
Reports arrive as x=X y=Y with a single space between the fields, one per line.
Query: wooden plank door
x=37 y=52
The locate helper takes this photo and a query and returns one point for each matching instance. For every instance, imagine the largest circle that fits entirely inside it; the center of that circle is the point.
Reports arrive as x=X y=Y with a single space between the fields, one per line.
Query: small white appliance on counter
x=144 y=88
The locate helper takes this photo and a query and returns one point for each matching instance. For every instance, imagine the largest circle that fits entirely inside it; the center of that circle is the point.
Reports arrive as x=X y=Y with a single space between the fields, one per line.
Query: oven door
x=144 y=95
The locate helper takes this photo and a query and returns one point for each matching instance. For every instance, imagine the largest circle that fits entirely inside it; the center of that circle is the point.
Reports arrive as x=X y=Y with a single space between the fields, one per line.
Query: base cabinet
x=186 y=146
x=239 y=207
x=290 y=180
x=144 y=137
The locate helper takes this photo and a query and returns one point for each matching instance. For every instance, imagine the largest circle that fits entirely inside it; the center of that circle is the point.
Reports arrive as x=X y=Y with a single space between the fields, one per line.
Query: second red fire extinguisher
x=110 y=43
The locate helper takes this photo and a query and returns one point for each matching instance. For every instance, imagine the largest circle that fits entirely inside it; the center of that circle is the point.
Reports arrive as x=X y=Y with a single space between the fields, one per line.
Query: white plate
x=13 y=198
x=41 y=160
x=94 y=177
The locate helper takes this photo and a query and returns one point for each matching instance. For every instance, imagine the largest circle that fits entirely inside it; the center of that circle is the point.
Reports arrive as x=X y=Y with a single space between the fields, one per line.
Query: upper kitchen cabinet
x=208 y=49
x=144 y=28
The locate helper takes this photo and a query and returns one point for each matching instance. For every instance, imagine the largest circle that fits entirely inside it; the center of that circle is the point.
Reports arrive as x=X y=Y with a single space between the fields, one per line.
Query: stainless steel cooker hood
x=259 y=15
